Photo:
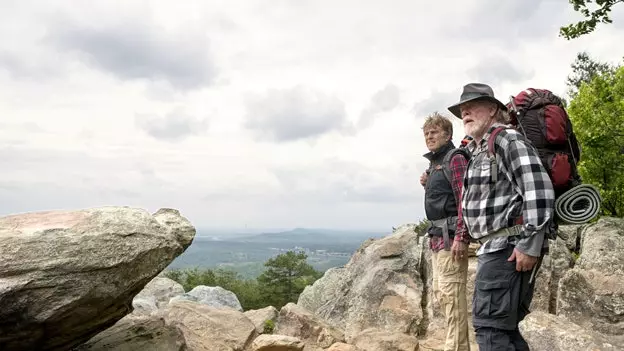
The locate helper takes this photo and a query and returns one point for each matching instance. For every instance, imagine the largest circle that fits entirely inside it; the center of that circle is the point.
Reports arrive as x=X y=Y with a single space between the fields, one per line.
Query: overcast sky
x=262 y=114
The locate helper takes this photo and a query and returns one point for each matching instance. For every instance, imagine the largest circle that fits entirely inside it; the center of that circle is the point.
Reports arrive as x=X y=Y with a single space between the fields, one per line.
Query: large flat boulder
x=65 y=276
x=137 y=332
x=207 y=328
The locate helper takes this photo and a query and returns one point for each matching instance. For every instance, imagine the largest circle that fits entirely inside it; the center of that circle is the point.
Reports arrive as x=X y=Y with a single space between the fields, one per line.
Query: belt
x=509 y=231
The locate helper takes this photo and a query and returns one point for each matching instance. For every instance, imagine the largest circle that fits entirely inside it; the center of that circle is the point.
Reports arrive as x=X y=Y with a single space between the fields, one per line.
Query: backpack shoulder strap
x=492 y=140
x=446 y=162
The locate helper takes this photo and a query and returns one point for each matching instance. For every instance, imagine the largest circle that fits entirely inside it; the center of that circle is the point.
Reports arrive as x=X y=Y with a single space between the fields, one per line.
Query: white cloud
x=264 y=113
x=173 y=126
x=382 y=101
x=130 y=49
x=293 y=114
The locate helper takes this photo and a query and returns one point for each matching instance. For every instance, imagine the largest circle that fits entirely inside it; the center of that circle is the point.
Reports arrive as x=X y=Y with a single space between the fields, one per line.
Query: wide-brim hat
x=475 y=91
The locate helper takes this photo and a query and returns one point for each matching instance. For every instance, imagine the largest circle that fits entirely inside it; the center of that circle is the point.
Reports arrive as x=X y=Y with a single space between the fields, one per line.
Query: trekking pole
x=515 y=110
x=536 y=267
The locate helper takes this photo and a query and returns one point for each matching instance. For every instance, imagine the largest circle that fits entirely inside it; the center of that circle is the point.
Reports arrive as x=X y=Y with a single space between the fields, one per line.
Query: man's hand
x=423 y=179
x=459 y=250
x=523 y=262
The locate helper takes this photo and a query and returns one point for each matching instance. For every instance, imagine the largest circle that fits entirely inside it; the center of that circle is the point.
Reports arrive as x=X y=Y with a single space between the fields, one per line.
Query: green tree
x=599 y=14
x=584 y=69
x=597 y=112
x=285 y=278
x=246 y=290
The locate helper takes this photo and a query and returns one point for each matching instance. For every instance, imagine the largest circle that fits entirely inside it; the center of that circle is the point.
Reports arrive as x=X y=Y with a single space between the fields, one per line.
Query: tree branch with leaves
x=598 y=15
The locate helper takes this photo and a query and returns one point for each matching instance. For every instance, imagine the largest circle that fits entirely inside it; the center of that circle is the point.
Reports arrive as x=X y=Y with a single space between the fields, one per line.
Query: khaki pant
x=449 y=288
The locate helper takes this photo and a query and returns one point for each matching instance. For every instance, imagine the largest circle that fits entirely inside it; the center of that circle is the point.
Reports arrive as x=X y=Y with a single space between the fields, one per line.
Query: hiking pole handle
x=515 y=110
x=513 y=104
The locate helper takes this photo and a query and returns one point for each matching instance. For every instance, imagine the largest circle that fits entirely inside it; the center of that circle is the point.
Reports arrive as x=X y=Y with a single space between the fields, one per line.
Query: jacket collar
x=440 y=152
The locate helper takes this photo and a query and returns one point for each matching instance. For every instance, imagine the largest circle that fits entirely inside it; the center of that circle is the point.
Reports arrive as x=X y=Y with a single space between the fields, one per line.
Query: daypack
x=446 y=161
x=541 y=117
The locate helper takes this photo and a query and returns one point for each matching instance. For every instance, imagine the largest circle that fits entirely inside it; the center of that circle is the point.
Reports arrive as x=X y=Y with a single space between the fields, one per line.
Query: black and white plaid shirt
x=522 y=188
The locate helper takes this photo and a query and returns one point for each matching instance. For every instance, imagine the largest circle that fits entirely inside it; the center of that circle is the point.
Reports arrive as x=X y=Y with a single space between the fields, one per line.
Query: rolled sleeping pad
x=578 y=205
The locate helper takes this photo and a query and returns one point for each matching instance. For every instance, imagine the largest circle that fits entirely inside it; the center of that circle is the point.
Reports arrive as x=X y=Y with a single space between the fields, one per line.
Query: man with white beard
x=508 y=206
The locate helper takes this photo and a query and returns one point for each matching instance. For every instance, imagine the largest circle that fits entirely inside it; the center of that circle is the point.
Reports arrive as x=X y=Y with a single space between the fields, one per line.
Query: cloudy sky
x=257 y=113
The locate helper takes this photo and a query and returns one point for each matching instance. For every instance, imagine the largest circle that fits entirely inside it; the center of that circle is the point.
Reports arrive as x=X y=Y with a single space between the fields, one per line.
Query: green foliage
x=421 y=227
x=584 y=69
x=286 y=276
x=597 y=112
x=246 y=290
x=284 y=279
x=600 y=14
x=575 y=256
x=269 y=326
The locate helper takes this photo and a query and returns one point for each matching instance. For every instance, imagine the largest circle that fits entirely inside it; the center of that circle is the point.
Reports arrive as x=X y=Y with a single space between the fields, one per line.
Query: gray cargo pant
x=501 y=299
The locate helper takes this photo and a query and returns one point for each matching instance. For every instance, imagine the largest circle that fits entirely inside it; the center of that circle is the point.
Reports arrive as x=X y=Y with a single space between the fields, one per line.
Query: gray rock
x=67 y=275
x=145 y=305
x=276 y=343
x=571 y=235
x=261 y=316
x=209 y=328
x=382 y=286
x=555 y=265
x=156 y=294
x=214 y=296
x=298 y=322
x=592 y=294
x=137 y=332
x=544 y=331
x=323 y=290
x=373 y=340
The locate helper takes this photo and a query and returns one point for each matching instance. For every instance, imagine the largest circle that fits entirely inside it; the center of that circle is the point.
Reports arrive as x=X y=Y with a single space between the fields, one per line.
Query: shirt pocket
x=482 y=170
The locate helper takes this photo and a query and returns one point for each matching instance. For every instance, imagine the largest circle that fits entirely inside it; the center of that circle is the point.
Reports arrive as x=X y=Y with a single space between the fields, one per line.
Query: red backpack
x=541 y=117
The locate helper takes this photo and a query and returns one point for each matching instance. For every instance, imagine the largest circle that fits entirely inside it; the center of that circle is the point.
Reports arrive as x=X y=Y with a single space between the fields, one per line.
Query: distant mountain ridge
x=310 y=235
x=247 y=252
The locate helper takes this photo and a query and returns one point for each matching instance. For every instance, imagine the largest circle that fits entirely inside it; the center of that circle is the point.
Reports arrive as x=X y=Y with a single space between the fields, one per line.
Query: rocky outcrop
x=68 y=278
x=544 y=331
x=214 y=296
x=67 y=275
x=585 y=289
x=381 y=287
x=592 y=293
